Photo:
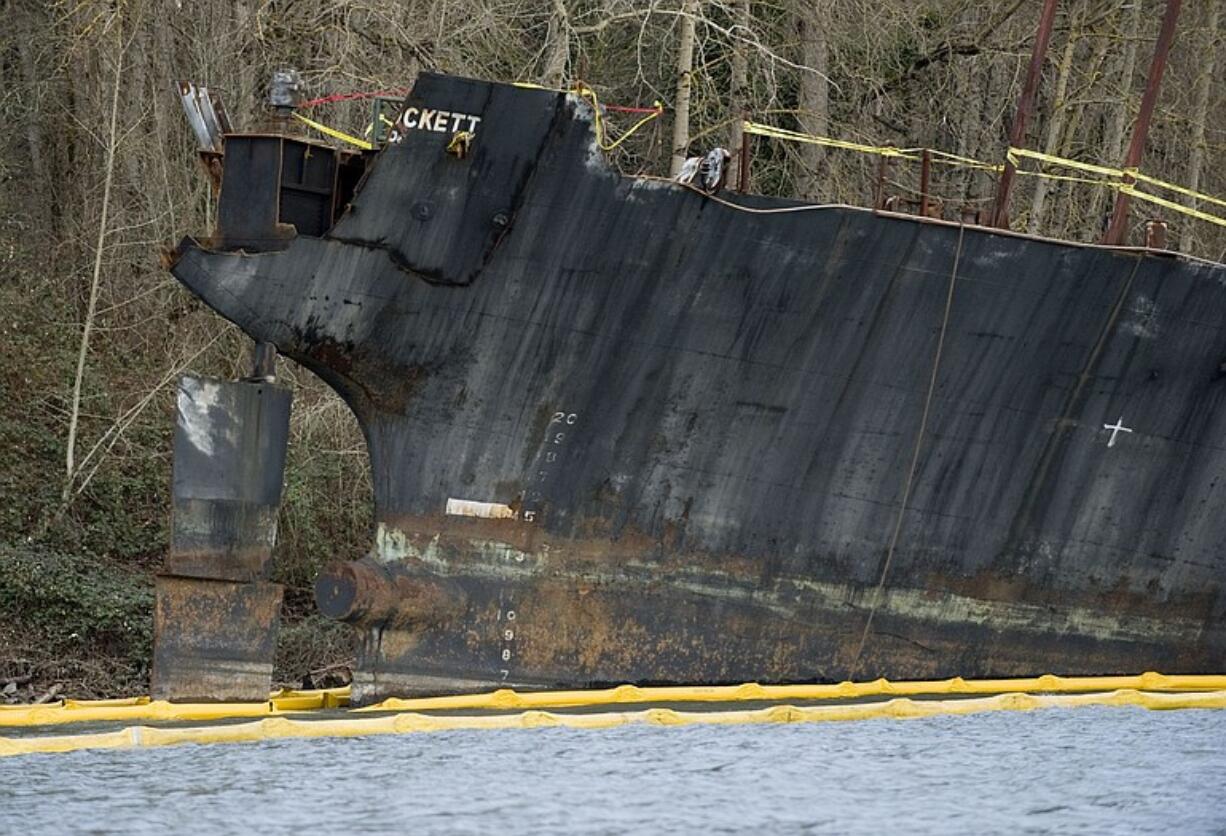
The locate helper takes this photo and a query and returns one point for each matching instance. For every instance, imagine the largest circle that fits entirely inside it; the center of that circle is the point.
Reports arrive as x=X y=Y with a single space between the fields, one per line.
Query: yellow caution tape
x=1170 y=204
x=408 y=723
x=334 y=133
x=1119 y=179
x=142 y=708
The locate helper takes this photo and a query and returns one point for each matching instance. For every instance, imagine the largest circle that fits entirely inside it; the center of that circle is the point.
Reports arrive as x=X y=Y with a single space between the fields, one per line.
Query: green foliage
x=78 y=620
x=71 y=599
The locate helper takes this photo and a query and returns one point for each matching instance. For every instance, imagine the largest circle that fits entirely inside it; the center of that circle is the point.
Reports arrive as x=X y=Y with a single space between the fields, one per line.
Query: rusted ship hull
x=622 y=432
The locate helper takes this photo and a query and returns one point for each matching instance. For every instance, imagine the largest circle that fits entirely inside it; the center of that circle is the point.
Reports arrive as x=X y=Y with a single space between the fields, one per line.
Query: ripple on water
x=1092 y=770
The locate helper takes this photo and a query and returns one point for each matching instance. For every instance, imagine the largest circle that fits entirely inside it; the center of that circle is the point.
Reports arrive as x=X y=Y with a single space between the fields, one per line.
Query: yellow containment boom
x=142 y=708
x=408 y=723
x=290 y=701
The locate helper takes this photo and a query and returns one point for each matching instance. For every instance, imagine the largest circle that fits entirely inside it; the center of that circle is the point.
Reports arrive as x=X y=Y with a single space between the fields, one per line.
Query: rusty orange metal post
x=742 y=174
x=1117 y=229
x=1025 y=107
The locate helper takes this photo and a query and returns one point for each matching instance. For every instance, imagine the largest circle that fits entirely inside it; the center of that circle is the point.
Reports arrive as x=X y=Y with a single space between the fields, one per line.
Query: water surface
x=1090 y=770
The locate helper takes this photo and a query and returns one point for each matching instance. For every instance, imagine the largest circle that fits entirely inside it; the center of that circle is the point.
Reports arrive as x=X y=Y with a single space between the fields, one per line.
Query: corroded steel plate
x=213 y=639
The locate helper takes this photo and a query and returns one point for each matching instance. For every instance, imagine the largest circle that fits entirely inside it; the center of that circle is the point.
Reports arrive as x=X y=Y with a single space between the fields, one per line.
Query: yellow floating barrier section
x=752 y=691
x=142 y=708
x=404 y=716
x=900 y=708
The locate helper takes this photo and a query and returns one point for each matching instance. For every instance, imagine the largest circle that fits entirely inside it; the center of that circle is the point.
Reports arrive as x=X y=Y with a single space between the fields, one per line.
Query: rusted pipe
x=263 y=362
x=1025 y=106
x=370 y=595
x=1117 y=229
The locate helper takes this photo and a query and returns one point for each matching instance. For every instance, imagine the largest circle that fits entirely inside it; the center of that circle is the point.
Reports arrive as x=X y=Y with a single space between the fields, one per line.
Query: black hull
x=717 y=446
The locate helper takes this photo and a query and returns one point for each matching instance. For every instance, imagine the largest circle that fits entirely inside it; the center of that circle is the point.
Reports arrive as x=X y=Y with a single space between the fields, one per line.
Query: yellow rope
x=1118 y=179
x=1145 y=178
x=1015 y=156
x=1123 y=180
x=408 y=723
x=334 y=133
x=1170 y=204
x=759 y=129
x=587 y=93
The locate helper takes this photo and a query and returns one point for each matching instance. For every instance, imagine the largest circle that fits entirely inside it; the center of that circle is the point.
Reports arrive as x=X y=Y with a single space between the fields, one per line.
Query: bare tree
x=813 y=100
x=557 y=46
x=738 y=94
x=685 y=83
x=87 y=326
x=1200 y=116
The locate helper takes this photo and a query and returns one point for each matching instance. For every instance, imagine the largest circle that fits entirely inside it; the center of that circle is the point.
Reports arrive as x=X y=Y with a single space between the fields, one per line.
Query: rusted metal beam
x=742 y=172
x=215 y=619
x=1025 y=107
x=925 y=175
x=1155 y=234
x=1117 y=229
x=214 y=639
x=879 y=190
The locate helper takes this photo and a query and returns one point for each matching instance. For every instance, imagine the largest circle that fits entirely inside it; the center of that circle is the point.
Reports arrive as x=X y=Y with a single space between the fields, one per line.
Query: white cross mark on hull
x=1116 y=428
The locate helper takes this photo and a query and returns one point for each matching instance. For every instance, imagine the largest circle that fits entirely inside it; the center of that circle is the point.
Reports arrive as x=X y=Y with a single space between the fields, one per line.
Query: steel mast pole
x=1117 y=229
x=1025 y=107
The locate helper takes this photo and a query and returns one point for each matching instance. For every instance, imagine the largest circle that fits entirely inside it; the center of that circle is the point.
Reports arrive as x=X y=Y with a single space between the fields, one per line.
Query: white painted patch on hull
x=474 y=508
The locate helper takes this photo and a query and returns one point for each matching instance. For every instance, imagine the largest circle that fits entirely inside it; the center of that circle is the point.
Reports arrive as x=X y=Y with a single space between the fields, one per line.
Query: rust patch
x=213 y=639
x=397 y=384
x=371 y=595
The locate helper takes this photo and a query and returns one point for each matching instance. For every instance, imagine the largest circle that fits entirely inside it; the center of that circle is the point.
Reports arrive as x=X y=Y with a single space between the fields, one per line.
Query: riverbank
x=81 y=627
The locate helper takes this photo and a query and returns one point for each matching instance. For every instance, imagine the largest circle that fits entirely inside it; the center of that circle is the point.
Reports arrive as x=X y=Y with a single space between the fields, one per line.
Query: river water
x=1089 y=770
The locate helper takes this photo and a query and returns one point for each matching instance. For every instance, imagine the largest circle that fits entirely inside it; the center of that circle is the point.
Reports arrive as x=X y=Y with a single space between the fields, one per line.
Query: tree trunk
x=685 y=81
x=1200 y=115
x=1118 y=127
x=739 y=94
x=74 y=415
x=557 y=47
x=1078 y=218
x=814 y=93
x=1055 y=125
x=33 y=126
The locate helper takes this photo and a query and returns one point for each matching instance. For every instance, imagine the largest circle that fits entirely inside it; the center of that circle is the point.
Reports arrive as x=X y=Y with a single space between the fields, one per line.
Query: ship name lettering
x=439 y=121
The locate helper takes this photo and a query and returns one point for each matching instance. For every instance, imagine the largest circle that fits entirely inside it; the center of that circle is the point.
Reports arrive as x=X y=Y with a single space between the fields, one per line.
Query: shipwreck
x=623 y=430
